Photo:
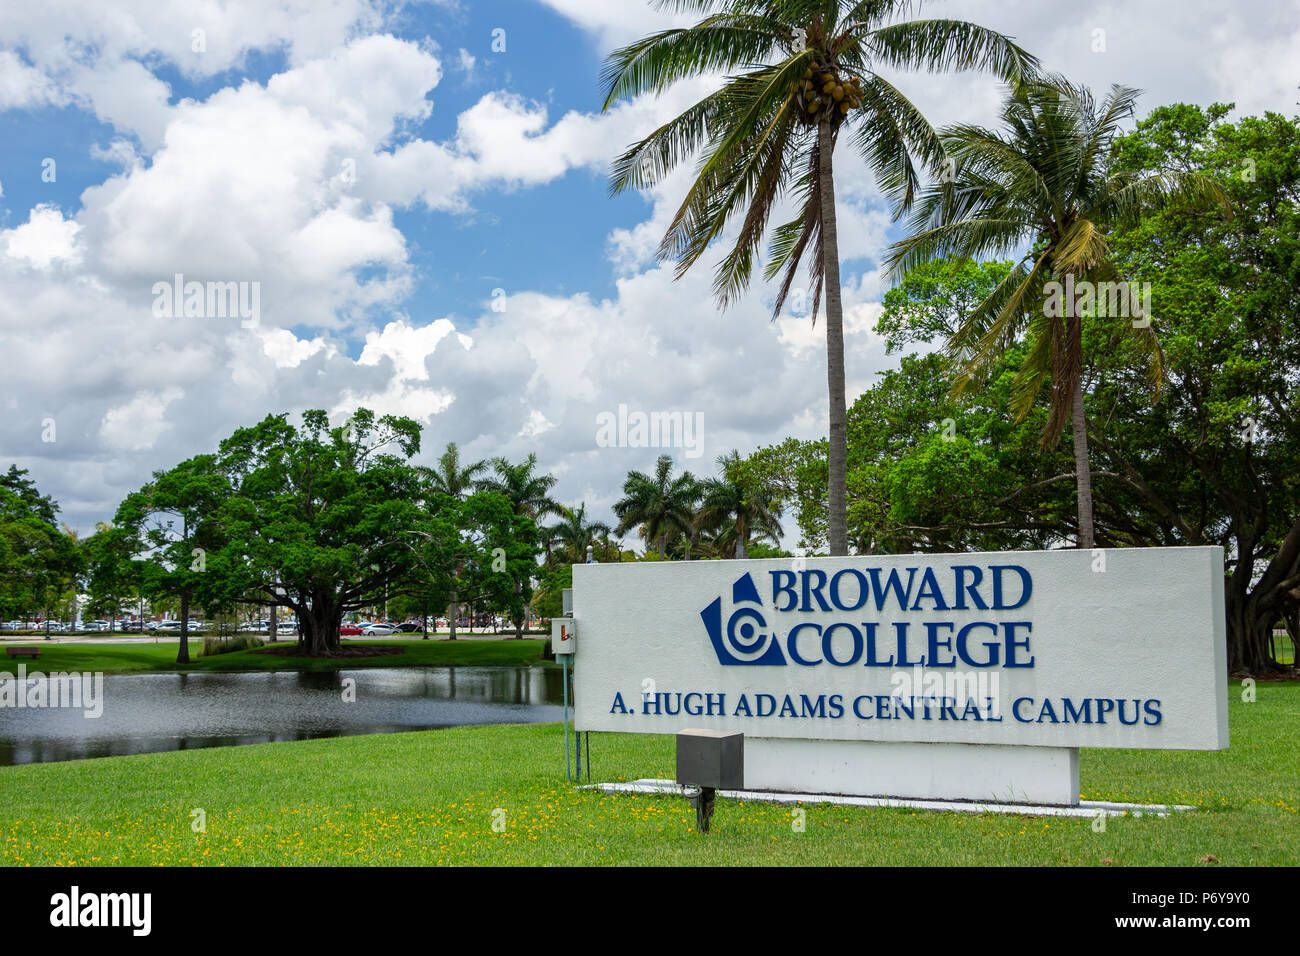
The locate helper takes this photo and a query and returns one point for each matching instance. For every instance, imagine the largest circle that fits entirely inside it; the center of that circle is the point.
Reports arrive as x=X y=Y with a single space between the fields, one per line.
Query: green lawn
x=138 y=658
x=430 y=798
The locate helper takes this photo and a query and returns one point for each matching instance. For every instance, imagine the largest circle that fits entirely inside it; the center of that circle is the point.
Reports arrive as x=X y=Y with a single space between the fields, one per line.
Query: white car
x=379 y=628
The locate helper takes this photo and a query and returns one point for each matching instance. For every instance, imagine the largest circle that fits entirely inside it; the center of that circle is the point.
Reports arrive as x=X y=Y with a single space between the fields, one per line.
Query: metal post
x=577 y=734
x=565 y=664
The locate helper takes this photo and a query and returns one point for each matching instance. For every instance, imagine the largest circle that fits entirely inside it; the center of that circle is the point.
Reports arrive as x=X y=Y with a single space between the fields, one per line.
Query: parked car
x=380 y=628
x=350 y=629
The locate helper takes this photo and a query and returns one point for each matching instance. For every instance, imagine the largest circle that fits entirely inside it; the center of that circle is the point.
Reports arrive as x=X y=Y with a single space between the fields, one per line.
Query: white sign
x=1125 y=648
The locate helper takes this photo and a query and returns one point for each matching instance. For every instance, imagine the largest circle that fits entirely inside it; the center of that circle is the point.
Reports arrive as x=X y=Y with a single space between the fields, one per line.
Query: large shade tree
x=317 y=519
x=1044 y=183
x=1216 y=461
x=799 y=75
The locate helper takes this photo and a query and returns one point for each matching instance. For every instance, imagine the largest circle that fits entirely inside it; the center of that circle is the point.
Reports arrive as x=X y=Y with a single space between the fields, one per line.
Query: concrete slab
x=1085 y=808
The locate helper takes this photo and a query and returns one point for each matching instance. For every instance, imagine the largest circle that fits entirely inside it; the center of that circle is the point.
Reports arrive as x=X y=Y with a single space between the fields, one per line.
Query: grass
x=432 y=797
x=143 y=658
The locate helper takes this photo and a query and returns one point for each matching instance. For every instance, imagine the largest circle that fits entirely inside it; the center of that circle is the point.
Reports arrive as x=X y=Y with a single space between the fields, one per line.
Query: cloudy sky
x=419 y=193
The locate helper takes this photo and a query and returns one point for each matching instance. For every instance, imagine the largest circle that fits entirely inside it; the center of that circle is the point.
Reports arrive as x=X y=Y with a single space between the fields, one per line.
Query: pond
x=146 y=713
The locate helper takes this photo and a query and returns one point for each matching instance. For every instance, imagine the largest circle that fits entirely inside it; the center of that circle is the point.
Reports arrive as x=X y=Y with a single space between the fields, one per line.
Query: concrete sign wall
x=1062 y=649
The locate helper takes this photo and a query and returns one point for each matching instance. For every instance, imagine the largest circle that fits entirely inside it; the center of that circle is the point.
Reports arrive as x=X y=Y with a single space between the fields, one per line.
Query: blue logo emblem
x=746 y=639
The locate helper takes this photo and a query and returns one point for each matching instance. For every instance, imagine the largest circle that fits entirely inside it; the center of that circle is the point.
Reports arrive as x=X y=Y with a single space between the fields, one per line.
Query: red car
x=346 y=629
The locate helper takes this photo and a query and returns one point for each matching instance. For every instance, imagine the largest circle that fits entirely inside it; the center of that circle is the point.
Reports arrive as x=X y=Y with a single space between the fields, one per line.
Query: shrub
x=216 y=644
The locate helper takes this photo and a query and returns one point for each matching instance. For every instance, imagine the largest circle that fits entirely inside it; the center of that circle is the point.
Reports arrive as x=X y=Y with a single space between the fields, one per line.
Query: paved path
x=57 y=638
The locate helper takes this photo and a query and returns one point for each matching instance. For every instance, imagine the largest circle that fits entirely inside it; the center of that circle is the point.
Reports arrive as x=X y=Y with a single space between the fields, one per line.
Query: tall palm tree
x=801 y=72
x=738 y=506
x=574 y=533
x=608 y=547
x=529 y=495
x=658 y=504
x=1043 y=182
x=449 y=477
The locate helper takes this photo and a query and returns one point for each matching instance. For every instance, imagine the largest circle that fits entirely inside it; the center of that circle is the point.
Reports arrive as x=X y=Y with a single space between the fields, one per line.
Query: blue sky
x=471 y=171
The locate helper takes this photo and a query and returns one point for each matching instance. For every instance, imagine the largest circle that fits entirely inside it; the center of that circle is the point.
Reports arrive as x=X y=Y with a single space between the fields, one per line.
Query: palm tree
x=449 y=477
x=529 y=496
x=575 y=533
x=801 y=72
x=659 y=505
x=529 y=493
x=1043 y=182
x=738 y=507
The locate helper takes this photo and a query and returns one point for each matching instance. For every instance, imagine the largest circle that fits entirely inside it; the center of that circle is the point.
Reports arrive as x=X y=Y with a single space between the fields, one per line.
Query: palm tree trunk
x=453 y=613
x=1082 y=470
x=837 y=460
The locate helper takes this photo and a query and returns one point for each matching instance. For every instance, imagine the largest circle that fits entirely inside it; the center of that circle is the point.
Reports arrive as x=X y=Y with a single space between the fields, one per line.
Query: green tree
x=1215 y=461
x=530 y=498
x=112 y=570
x=933 y=300
x=796 y=471
x=1044 y=180
x=571 y=537
x=173 y=521
x=800 y=73
x=34 y=556
x=313 y=518
x=452 y=478
x=455 y=480
x=658 y=505
x=740 y=505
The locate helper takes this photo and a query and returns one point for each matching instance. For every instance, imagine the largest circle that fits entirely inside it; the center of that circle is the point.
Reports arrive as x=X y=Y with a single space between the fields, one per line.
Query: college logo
x=746 y=638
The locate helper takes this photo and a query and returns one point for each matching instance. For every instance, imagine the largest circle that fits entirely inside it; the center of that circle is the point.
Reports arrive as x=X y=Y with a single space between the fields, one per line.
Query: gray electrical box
x=711 y=758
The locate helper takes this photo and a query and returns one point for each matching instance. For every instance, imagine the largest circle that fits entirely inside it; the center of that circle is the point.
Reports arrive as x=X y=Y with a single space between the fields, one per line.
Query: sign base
x=987 y=772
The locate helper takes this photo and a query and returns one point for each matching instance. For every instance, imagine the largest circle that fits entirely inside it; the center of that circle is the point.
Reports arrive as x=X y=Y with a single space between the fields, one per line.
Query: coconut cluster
x=825 y=92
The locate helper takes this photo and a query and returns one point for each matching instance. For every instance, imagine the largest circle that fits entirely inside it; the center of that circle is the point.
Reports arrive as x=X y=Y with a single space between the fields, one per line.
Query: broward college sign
x=963 y=676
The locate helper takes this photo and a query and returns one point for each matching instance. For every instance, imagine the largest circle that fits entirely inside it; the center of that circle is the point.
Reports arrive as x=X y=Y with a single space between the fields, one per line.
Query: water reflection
x=145 y=713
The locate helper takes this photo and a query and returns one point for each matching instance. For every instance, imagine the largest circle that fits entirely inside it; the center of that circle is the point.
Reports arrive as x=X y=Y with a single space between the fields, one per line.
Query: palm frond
x=944 y=45
x=723 y=42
